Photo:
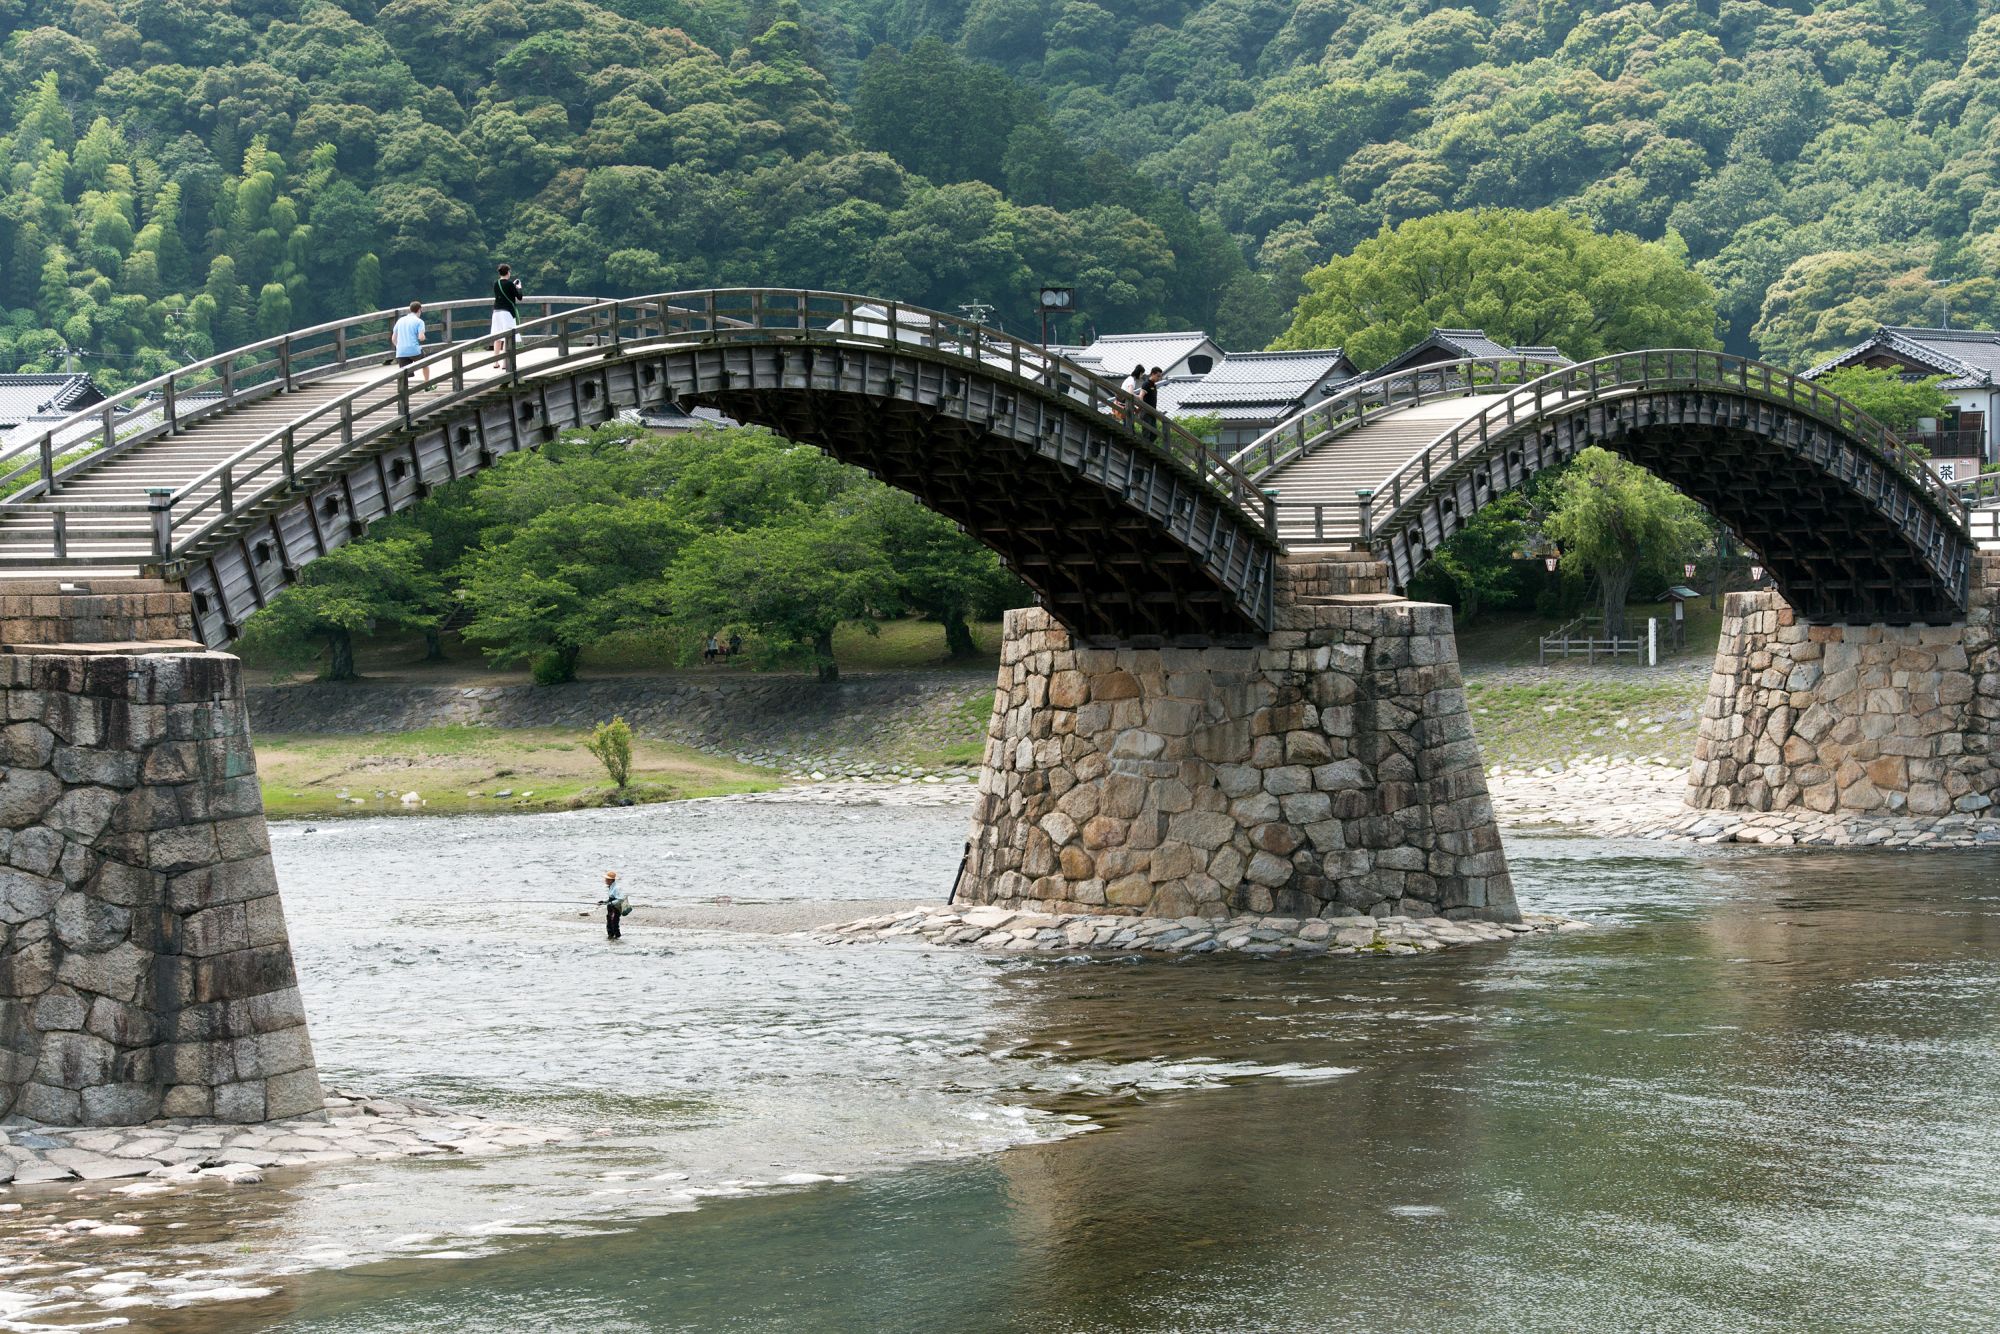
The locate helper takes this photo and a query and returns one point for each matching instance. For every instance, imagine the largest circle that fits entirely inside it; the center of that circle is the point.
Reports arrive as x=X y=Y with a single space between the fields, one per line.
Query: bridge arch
x=1124 y=524
x=1852 y=526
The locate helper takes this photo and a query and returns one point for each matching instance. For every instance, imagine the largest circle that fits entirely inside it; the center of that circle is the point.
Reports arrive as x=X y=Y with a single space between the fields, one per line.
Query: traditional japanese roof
x=56 y=396
x=1457 y=344
x=1267 y=378
x=1970 y=358
x=1173 y=394
x=1117 y=354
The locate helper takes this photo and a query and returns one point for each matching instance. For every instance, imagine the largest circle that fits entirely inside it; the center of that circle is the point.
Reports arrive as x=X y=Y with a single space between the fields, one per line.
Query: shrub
x=611 y=743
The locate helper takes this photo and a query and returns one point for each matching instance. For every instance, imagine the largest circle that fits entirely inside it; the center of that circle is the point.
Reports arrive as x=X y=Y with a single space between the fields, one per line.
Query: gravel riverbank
x=1619 y=798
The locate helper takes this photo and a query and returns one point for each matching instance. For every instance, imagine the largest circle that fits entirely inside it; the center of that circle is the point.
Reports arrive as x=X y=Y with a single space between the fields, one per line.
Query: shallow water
x=1763 y=1095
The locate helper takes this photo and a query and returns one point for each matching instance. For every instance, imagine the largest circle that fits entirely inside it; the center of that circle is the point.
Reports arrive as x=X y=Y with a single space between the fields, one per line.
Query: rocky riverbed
x=166 y=1155
x=991 y=928
x=1622 y=798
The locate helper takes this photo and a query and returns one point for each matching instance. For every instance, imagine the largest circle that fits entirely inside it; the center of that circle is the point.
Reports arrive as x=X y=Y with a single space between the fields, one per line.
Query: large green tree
x=358 y=589
x=793 y=583
x=1608 y=516
x=1535 y=278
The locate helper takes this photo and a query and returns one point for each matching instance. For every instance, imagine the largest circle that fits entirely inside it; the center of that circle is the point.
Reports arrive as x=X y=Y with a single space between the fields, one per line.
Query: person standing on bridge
x=1129 y=390
x=507 y=294
x=616 y=905
x=408 y=338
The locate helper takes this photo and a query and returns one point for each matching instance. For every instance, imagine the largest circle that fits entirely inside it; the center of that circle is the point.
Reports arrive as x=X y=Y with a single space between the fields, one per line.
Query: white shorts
x=503 y=320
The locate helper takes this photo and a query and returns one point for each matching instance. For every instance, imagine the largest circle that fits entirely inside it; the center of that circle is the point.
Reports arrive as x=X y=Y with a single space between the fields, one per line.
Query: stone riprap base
x=992 y=928
x=144 y=966
x=1854 y=719
x=1328 y=773
x=1648 y=799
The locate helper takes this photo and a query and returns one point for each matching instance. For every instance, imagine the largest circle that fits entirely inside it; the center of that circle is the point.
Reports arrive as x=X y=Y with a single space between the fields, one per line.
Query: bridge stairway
x=1316 y=492
x=116 y=544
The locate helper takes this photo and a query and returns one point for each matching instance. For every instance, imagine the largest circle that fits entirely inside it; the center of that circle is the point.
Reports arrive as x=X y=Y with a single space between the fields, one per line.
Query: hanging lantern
x=1551 y=562
x=1687 y=570
x=1756 y=574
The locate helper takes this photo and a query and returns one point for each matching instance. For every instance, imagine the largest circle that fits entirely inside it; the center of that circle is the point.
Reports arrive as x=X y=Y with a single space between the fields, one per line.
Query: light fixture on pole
x=1550 y=561
x=1054 y=300
x=1687 y=570
x=1756 y=574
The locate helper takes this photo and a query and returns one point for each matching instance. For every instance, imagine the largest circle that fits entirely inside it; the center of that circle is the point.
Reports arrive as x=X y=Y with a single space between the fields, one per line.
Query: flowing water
x=1763 y=1094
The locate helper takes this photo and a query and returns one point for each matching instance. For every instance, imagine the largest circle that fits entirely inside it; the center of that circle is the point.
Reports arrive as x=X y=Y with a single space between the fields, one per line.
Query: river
x=1763 y=1094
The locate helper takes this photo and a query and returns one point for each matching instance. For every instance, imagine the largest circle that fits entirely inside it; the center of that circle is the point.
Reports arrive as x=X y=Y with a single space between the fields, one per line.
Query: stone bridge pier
x=1329 y=769
x=1853 y=719
x=145 y=968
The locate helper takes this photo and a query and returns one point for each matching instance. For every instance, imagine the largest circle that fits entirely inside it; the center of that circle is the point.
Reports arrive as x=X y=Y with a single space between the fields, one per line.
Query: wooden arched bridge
x=231 y=474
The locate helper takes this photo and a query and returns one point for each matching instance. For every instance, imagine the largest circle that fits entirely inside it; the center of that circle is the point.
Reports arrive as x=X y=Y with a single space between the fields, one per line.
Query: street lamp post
x=1054 y=300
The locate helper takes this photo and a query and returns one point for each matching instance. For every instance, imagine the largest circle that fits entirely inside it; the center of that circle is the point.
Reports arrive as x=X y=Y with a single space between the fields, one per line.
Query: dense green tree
x=793 y=583
x=1607 y=515
x=1888 y=397
x=1526 y=278
x=357 y=589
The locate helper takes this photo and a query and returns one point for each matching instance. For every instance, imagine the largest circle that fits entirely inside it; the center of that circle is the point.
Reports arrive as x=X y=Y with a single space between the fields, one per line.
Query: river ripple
x=1761 y=1096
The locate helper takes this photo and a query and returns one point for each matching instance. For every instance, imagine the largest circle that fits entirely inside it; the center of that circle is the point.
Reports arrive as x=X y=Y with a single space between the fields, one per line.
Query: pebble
x=995 y=928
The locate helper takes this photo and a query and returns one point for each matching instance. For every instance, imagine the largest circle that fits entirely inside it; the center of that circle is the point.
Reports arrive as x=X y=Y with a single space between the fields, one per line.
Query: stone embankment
x=992 y=928
x=165 y=1155
x=1615 y=798
x=781 y=722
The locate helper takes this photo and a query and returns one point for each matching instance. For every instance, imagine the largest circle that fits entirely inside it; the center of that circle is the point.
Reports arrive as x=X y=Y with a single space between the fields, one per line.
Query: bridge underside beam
x=1845 y=538
x=1116 y=540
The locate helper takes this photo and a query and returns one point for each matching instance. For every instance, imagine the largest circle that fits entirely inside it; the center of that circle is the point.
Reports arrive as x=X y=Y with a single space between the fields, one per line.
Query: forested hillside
x=181 y=174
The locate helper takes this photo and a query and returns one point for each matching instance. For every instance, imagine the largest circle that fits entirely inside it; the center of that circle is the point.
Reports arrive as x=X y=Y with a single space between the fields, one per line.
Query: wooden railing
x=1978 y=492
x=1583 y=636
x=578 y=330
x=1394 y=503
x=168 y=404
x=1361 y=401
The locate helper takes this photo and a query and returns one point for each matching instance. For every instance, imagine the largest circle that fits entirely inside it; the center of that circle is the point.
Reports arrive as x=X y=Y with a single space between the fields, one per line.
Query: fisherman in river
x=616 y=905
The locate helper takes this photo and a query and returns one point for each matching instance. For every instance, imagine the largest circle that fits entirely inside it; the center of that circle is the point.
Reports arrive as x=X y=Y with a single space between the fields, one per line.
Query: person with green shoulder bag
x=616 y=904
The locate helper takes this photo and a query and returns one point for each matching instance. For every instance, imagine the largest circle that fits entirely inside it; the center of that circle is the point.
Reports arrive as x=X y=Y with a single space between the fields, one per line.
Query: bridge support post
x=145 y=968
x=1852 y=719
x=1328 y=771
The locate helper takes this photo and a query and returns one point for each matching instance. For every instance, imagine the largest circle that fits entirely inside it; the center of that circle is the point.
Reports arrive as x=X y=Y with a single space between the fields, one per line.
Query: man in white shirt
x=408 y=339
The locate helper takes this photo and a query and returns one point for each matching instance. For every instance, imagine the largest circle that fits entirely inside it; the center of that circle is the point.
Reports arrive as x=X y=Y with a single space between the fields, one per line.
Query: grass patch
x=455 y=770
x=970 y=717
x=1534 y=723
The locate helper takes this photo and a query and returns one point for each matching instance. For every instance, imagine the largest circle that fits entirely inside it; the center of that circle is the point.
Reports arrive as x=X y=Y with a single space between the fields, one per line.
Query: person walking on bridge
x=408 y=338
x=507 y=294
x=616 y=905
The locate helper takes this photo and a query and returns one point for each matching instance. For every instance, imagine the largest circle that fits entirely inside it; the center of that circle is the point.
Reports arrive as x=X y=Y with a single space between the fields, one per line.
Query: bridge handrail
x=723 y=314
x=296 y=357
x=1980 y=491
x=1622 y=374
x=1360 y=400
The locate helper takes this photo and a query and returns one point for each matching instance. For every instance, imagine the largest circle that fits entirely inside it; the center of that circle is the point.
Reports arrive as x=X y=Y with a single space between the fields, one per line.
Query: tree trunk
x=958 y=637
x=829 y=670
x=1614 y=582
x=340 y=656
x=433 y=644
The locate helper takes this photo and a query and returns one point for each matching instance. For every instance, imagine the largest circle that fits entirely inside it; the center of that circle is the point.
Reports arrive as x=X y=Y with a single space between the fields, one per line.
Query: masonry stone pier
x=145 y=969
x=1328 y=770
x=1853 y=718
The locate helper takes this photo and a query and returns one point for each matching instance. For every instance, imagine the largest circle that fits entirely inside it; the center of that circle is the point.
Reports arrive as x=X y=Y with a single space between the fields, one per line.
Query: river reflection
x=1764 y=1095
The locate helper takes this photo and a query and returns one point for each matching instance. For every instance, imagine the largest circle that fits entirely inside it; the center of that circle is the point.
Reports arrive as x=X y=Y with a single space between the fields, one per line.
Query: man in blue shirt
x=408 y=337
x=615 y=904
